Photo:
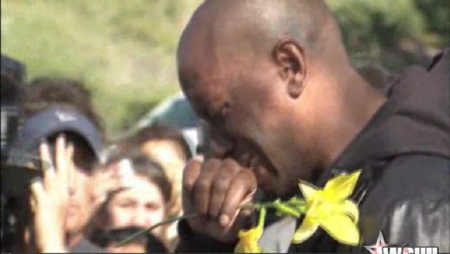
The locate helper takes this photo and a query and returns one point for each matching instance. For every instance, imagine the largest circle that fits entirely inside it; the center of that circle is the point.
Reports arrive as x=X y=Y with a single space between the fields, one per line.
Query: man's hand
x=216 y=189
x=49 y=197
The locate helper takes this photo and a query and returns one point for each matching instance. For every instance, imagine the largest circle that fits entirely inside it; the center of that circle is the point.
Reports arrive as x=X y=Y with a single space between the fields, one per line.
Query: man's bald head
x=272 y=79
x=262 y=24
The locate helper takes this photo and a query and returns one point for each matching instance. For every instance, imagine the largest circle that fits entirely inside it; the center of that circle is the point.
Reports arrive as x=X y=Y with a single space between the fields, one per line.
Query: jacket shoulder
x=409 y=203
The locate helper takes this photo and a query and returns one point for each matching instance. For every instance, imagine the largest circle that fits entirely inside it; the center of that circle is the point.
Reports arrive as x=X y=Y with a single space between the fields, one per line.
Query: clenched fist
x=216 y=189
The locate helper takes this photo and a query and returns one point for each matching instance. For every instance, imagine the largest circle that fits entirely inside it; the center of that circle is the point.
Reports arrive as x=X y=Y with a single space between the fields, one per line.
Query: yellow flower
x=248 y=239
x=331 y=209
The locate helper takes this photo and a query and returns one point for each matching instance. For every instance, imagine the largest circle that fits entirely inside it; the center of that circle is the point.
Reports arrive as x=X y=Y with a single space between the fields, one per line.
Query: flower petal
x=248 y=241
x=247 y=248
x=308 y=190
x=350 y=208
x=341 y=228
x=341 y=187
x=305 y=231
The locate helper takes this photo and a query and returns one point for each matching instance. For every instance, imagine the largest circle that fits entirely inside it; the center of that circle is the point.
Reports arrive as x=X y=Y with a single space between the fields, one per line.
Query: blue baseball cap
x=23 y=163
x=55 y=120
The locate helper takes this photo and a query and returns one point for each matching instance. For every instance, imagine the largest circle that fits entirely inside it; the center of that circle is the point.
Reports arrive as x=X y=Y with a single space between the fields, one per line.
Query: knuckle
x=246 y=174
x=188 y=185
x=202 y=186
x=191 y=165
x=231 y=166
x=229 y=162
x=221 y=185
x=246 y=181
x=229 y=209
x=211 y=164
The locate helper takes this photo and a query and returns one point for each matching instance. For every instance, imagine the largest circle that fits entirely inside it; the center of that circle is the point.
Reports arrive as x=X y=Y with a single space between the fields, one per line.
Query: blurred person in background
x=13 y=73
x=169 y=148
x=141 y=196
x=175 y=112
x=53 y=107
x=44 y=91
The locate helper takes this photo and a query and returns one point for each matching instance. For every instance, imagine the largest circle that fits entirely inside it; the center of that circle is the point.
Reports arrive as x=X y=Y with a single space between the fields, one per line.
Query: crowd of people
x=280 y=102
x=114 y=187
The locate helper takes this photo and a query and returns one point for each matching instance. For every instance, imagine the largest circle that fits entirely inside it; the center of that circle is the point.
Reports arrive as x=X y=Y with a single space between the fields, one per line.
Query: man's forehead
x=206 y=76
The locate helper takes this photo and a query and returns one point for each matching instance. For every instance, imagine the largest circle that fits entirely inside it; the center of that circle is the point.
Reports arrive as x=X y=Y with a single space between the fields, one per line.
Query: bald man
x=283 y=103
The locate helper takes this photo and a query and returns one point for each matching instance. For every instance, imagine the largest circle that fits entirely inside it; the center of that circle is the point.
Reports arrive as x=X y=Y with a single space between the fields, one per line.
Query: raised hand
x=50 y=195
x=109 y=179
x=216 y=189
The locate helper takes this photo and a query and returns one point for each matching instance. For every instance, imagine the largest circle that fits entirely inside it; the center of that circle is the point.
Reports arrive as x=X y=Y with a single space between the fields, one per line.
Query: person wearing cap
x=57 y=106
x=79 y=131
x=174 y=112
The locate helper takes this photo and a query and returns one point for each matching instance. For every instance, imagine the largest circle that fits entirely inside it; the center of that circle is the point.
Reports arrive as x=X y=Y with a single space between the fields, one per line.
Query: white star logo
x=377 y=248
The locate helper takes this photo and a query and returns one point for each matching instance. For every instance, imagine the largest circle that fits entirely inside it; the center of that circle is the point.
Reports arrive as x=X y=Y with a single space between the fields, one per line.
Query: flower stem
x=256 y=206
x=149 y=229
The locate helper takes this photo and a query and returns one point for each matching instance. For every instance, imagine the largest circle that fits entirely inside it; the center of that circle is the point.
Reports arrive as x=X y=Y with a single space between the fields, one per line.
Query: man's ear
x=291 y=60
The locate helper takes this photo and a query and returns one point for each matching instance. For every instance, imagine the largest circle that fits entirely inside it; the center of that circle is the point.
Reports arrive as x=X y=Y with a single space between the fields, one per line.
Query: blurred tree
x=437 y=18
x=124 y=50
x=393 y=34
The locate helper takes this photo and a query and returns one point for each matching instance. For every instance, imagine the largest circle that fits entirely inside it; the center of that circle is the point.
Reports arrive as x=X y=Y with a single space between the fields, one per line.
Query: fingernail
x=224 y=220
x=199 y=158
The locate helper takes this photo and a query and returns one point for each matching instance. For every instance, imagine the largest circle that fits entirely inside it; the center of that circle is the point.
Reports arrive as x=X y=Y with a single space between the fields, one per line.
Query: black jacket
x=404 y=154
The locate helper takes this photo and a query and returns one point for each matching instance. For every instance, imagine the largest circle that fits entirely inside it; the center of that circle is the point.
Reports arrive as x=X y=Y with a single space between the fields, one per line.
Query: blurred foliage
x=124 y=50
x=393 y=34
